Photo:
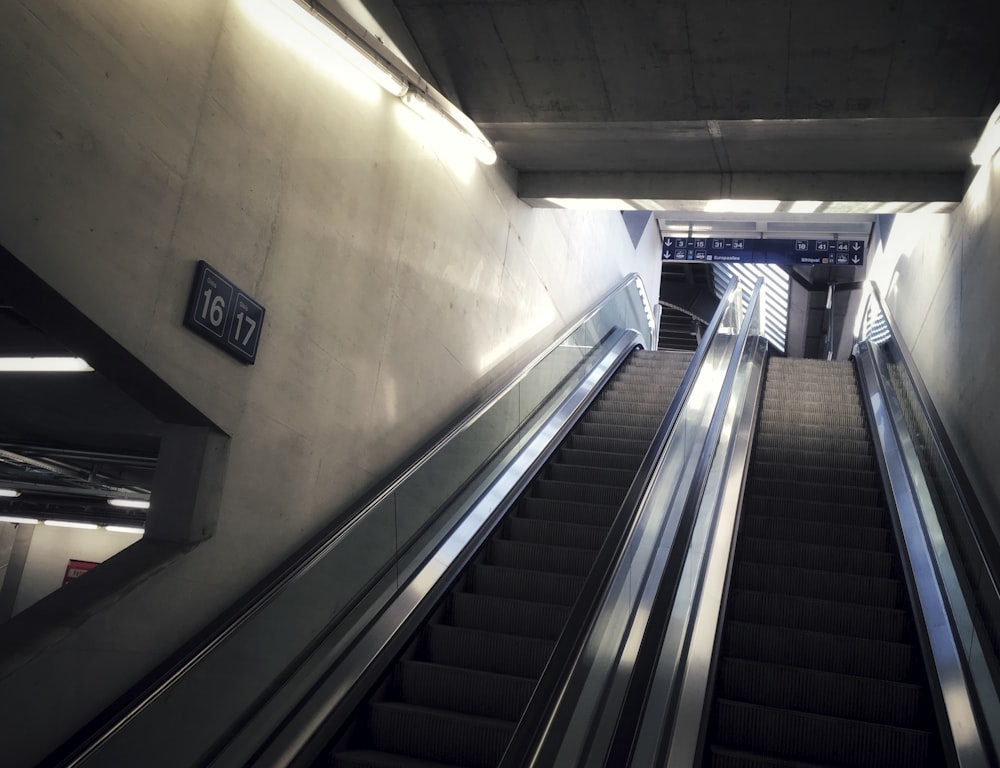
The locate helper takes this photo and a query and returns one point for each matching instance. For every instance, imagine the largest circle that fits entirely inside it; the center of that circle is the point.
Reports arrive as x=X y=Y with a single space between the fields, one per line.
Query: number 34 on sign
x=223 y=314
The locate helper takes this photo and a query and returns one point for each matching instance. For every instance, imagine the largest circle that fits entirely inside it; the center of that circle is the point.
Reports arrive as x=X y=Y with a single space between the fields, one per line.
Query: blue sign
x=850 y=253
x=223 y=314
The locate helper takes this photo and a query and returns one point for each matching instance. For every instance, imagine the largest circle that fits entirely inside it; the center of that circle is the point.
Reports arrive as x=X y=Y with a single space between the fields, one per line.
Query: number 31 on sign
x=223 y=314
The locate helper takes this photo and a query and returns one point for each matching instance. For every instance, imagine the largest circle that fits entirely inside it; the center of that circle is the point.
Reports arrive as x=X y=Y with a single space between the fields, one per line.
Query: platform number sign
x=223 y=314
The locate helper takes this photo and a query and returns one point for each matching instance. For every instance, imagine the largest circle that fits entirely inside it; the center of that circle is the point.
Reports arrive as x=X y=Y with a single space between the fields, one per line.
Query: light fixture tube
x=346 y=49
x=806 y=206
x=9 y=493
x=742 y=206
x=129 y=503
x=124 y=529
x=43 y=365
x=71 y=524
x=16 y=519
x=481 y=149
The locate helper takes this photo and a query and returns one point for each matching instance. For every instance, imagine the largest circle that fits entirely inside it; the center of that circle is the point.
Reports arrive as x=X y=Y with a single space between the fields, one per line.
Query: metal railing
x=953 y=550
x=261 y=654
x=594 y=679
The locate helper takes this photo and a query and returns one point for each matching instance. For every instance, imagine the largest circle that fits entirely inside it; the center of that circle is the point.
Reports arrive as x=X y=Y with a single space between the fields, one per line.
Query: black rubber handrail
x=127 y=706
x=568 y=646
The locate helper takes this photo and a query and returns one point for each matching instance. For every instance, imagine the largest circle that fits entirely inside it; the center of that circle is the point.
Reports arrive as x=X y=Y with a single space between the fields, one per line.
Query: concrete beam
x=534 y=188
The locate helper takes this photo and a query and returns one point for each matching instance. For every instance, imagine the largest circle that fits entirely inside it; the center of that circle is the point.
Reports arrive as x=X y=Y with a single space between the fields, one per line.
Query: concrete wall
x=50 y=551
x=941 y=277
x=400 y=283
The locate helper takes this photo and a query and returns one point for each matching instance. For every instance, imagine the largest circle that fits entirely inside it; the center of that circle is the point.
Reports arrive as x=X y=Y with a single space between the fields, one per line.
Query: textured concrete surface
x=400 y=285
x=718 y=87
x=941 y=279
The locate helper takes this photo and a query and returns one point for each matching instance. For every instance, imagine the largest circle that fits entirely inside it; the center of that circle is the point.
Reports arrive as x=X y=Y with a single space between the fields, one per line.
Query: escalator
x=818 y=661
x=458 y=690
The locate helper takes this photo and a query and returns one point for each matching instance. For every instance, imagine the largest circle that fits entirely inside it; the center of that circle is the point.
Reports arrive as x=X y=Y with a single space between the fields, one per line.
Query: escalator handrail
x=123 y=710
x=987 y=544
x=565 y=653
x=661 y=611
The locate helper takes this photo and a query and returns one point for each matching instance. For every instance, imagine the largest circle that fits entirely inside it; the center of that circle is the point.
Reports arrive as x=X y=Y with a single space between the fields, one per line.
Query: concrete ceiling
x=853 y=100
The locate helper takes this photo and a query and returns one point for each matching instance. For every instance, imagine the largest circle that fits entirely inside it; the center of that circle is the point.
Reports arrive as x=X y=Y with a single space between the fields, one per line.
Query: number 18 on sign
x=223 y=314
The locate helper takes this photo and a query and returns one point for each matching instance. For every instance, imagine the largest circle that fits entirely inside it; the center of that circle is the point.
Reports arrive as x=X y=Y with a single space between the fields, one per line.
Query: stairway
x=678 y=330
x=818 y=663
x=457 y=693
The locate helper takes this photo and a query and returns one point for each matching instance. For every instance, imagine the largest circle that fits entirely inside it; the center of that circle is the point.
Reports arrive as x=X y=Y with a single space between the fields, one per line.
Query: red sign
x=76 y=568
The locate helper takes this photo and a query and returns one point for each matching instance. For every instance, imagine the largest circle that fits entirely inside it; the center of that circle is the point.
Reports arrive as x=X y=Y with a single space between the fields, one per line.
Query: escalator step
x=533 y=586
x=720 y=757
x=368 y=758
x=554 y=533
x=805 y=736
x=818 y=512
x=864 y=462
x=824 y=475
x=815 y=615
x=787 y=528
x=485 y=651
x=845 y=421
x=820 y=556
x=540 y=557
x=824 y=585
x=613 y=431
x=503 y=614
x=818 y=650
x=448 y=737
x=808 y=429
x=567 y=511
x=648 y=422
x=485 y=694
x=649 y=409
x=610 y=495
x=788 y=489
x=589 y=443
x=824 y=693
x=832 y=443
x=572 y=473
x=629 y=462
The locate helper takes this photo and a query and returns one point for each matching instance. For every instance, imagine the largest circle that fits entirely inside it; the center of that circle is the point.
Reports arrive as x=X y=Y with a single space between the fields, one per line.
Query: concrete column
x=15 y=539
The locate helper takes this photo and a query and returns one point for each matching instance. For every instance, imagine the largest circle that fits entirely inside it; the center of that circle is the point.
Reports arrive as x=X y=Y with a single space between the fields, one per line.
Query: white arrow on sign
x=855 y=259
x=856 y=246
x=669 y=242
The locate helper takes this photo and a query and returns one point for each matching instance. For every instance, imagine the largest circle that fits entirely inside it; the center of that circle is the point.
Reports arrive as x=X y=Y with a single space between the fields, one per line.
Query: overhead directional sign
x=846 y=253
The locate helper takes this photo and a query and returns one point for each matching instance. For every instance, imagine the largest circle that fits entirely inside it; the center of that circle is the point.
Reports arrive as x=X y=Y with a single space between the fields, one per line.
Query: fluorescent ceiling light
x=742 y=206
x=124 y=529
x=591 y=204
x=292 y=21
x=9 y=493
x=989 y=142
x=129 y=503
x=16 y=519
x=71 y=524
x=441 y=123
x=806 y=206
x=43 y=365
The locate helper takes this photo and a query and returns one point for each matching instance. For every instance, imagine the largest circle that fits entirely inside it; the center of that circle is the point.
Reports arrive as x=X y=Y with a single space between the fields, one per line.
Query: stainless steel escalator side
x=951 y=574
x=581 y=712
x=666 y=727
x=257 y=658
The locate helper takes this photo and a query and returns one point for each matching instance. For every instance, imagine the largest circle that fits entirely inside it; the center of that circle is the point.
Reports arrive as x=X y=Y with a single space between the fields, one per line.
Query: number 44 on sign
x=223 y=314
